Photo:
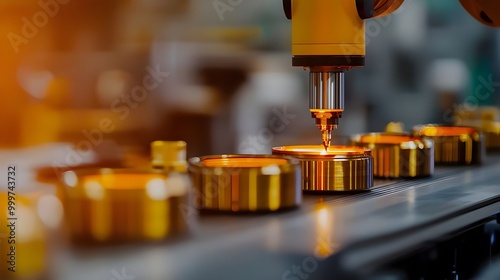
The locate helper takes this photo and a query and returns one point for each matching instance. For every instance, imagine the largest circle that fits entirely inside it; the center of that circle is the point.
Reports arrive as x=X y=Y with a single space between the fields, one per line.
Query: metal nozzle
x=326 y=100
x=327 y=125
x=326 y=135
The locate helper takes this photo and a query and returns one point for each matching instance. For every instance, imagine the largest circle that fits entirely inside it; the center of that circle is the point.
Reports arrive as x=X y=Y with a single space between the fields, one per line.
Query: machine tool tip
x=326 y=135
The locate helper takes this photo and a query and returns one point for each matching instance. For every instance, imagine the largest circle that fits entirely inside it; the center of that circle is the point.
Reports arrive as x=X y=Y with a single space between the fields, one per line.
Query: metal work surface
x=365 y=229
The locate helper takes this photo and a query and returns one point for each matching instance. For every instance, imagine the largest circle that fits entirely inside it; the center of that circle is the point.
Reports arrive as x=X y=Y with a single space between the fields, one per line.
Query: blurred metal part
x=24 y=239
x=169 y=155
x=245 y=183
x=476 y=116
x=485 y=118
x=341 y=168
x=456 y=145
x=398 y=155
x=395 y=127
x=492 y=136
x=105 y=206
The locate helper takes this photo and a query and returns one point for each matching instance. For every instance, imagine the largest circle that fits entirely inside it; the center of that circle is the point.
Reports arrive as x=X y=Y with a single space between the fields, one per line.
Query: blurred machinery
x=64 y=74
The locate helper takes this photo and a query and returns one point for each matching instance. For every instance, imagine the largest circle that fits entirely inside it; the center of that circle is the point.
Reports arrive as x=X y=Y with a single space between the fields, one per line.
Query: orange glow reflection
x=386 y=139
x=446 y=131
x=316 y=150
x=122 y=181
x=242 y=162
x=324 y=229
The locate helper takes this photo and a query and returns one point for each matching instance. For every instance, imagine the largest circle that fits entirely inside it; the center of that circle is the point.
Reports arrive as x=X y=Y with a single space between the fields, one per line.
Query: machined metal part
x=398 y=155
x=326 y=122
x=124 y=205
x=341 y=168
x=455 y=145
x=245 y=183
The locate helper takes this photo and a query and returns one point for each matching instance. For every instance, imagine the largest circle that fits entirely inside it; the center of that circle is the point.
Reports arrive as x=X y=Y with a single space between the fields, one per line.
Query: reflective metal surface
x=454 y=145
x=340 y=168
x=120 y=205
x=326 y=90
x=245 y=183
x=398 y=155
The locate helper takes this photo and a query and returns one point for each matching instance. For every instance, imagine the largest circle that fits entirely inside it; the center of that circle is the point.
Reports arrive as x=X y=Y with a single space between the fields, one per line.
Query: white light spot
x=177 y=184
x=272 y=169
x=36 y=83
x=28 y=223
x=218 y=171
x=157 y=189
x=94 y=190
x=70 y=179
x=50 y=211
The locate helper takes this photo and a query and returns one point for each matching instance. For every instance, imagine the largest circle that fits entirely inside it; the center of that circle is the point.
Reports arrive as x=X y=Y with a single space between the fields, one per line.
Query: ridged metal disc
x=125 y=205
x=398 y=155
x=341 y=168
x=245 y=183
x=455 y=145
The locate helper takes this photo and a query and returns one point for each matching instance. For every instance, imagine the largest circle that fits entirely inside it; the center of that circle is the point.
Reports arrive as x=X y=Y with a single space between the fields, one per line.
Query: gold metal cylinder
x=341 y=168
x=245 y=183
x=455 y=145
x=398 y=155
x=122 y=205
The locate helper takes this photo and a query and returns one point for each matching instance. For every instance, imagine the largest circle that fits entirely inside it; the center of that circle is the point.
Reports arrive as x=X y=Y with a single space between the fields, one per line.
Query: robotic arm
x=485 y=11
x=328 y=38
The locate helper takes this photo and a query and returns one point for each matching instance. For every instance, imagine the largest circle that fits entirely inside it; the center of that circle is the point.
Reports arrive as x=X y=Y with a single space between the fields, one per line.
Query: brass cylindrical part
x=120 y=205
x=455 y=145
x=245 y=183
x=398 y=155
x=341 y=168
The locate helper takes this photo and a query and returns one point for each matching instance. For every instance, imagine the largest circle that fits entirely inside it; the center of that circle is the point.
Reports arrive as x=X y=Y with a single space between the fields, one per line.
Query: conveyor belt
x=358 y=231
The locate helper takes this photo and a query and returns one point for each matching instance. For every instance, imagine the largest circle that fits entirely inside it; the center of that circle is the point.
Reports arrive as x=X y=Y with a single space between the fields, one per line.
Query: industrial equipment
x=328 y=39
